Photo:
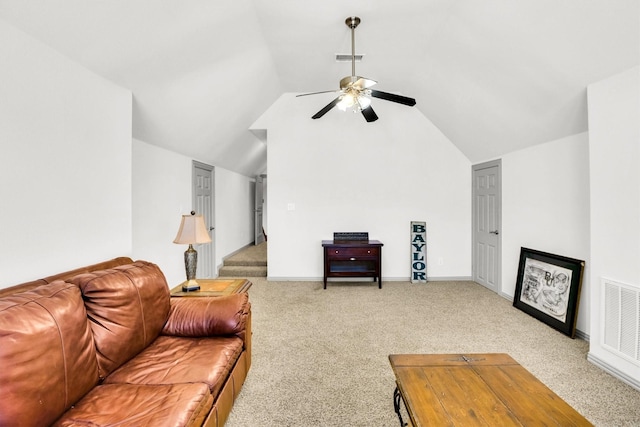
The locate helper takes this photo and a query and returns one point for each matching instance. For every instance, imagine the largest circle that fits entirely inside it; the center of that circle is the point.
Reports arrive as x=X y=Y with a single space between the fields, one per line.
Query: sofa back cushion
x=65 y=276
x=127 y=307
x=47 y=354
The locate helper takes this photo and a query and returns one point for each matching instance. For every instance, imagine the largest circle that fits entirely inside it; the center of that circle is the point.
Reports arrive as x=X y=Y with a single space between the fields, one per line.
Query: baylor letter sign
x=418 y=252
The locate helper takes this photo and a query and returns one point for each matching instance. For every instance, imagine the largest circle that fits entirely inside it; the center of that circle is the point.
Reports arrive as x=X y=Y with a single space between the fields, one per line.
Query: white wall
x=75 y=189
x=340 y=173
x=65 y=162
x=545 y=206
x=234 y=212
x=162 y=192
x=161 y=195
x=614 y=139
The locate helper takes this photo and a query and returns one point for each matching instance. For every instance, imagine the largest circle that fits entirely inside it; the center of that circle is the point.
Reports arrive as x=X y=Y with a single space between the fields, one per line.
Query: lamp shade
x=192 y=230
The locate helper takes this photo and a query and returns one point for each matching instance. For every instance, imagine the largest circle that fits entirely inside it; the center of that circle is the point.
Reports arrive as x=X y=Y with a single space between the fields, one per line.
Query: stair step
x=250 y=263
x=242 y=271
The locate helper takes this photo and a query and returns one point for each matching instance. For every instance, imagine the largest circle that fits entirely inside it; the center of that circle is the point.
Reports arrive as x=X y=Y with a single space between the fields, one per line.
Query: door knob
x=494 y=232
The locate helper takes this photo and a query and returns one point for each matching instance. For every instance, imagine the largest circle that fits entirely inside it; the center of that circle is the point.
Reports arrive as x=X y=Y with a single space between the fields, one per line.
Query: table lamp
x=192 y=230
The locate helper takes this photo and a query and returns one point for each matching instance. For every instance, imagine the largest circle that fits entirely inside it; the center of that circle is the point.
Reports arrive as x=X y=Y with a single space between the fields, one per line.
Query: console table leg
x=397 y=397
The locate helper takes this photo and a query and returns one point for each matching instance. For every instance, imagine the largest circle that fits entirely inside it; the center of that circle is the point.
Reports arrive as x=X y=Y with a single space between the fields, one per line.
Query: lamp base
x=190 y=263
x=190 y=286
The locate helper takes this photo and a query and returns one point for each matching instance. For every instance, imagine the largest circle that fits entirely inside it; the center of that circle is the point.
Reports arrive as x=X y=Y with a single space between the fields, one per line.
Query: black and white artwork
x=548 y=288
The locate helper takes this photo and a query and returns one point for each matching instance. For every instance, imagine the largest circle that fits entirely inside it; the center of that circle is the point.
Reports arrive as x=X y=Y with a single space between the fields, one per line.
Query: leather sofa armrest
x=208 y=316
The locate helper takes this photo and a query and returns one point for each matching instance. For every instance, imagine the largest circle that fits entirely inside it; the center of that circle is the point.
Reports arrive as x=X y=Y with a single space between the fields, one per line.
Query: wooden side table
x=214 y=288
x=353 y=259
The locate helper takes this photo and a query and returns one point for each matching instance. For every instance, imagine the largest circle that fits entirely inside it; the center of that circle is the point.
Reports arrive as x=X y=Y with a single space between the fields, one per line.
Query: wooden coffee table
x=475 y=390
x=214 y=288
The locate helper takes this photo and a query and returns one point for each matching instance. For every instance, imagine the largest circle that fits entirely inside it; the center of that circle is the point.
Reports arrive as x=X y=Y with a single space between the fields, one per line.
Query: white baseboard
x=448 y=279
x=248 y=245
x=613 y=371
x=579 y=334
x=583 y=336
x=357 y=279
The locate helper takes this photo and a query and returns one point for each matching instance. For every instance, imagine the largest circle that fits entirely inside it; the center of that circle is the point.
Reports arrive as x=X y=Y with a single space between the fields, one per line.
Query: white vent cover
x=346 y=57
x=621 y=319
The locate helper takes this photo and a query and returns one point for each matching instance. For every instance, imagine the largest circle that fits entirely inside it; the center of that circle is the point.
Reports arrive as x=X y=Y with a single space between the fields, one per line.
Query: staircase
x=250 y=261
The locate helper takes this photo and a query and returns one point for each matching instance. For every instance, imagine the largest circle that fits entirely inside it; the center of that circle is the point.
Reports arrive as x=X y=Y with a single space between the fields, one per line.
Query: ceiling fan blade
x=369 y=114
x=393 y=97
x=364 y=83
x=315 y=93
x=326 y=109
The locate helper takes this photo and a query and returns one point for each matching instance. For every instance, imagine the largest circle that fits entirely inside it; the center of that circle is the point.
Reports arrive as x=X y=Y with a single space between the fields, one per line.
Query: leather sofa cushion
x=173 y=360
x=27 y=286
x=204 y=317
x=127 y=307
x=141 y=405
x=47 y=356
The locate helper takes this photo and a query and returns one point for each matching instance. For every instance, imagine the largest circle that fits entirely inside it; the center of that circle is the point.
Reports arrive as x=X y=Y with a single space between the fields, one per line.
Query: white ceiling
x=494 y=76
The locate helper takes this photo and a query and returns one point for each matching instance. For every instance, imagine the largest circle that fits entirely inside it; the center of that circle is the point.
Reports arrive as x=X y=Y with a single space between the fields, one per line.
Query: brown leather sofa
x=107 y=345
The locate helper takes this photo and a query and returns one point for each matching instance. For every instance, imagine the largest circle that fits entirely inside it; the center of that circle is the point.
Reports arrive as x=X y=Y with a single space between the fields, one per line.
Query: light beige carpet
x=320 y=356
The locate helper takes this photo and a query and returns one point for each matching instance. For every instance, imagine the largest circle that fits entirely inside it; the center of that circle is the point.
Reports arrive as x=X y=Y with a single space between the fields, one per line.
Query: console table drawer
x=346 y=253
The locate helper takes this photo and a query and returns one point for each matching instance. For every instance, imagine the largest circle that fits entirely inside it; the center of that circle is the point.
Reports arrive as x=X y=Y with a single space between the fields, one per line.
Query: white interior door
x=487 y=208
x=203 y=204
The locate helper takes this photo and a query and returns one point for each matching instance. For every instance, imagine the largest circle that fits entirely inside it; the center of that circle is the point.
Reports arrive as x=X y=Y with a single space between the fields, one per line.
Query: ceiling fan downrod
x=352 y=22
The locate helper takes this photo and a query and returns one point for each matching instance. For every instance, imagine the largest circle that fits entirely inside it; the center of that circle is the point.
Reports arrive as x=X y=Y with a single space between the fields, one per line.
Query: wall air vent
x=622 y=319
x=346 y=57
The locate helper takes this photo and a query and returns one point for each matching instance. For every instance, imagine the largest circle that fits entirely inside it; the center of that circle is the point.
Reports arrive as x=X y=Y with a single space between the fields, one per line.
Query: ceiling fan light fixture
x=355 y=102
x=346 y=101
x=364 y=102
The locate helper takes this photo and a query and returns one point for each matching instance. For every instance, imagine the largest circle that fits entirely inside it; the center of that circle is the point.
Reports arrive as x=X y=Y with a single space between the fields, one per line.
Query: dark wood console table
x=353 y=259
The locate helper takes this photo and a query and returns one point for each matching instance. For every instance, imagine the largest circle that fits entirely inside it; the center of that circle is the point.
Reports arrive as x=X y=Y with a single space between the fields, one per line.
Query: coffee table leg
x=397 y=397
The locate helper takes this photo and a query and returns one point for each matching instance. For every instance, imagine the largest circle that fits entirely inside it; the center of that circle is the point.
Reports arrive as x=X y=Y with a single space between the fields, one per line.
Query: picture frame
x=548 y=288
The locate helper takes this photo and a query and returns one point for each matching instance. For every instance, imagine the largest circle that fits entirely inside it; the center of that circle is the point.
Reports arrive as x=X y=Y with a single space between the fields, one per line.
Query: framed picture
x=548 y=288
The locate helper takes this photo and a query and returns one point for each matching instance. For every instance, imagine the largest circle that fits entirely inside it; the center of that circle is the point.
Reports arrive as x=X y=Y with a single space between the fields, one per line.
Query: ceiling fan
x=355 y=92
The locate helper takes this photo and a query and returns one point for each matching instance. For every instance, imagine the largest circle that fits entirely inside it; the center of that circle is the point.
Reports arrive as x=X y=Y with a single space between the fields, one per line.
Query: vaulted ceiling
x=494 y=76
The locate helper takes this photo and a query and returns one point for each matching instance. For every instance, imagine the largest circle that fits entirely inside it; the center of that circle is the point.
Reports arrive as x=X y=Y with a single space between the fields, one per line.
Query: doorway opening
x=259 y=209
